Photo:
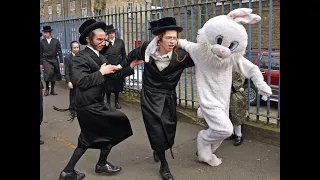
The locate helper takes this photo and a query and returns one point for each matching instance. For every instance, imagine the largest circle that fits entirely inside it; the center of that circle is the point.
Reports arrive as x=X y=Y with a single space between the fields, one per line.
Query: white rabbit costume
x=219 y=50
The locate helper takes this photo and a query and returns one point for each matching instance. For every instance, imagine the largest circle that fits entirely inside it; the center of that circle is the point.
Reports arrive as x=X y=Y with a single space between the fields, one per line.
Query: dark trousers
x=72 y=97
x=41 y=106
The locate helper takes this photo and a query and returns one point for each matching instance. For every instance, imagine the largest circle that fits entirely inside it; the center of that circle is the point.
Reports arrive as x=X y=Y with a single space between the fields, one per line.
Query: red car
x=274 y=73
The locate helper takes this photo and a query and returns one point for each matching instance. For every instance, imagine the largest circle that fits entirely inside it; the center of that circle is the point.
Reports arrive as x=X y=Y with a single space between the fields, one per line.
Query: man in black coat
x=51 y=48
x=162 y=72
x=41 y=96
x=102 y=127
x=115 y=53
x=74 y=45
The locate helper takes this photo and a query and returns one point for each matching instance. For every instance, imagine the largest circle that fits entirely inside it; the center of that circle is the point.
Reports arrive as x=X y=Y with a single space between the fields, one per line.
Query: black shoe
x=238 y=140
x=41 y=142
x=165 y=172
x=233 y=136
x=155 y=156
x=73 y=113
x=118 y=106
x=108 y=168
x=53 y=93
x=75 y=175
x=46 y=92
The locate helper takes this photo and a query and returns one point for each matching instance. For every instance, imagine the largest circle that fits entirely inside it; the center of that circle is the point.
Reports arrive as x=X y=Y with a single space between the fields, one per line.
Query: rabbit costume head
x=223 y=38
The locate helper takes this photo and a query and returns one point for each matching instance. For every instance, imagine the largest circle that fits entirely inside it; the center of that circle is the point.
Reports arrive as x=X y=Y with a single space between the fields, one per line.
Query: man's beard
x=95 y=47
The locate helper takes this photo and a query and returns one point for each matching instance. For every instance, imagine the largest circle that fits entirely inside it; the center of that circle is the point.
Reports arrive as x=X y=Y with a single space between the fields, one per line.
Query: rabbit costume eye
x=233 y=45
x=219 y=40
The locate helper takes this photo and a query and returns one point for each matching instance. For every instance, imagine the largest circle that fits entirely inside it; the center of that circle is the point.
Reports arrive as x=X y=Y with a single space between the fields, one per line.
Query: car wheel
x=253 y=94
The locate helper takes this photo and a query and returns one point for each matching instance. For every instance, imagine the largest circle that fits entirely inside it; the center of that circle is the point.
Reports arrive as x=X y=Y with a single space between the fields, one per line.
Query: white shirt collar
x=95 y=51
x=72 y=53
x=49 y=40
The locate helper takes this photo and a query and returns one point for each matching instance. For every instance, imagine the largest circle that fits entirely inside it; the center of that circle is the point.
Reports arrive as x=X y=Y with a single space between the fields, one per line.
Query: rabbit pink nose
x=222 y=50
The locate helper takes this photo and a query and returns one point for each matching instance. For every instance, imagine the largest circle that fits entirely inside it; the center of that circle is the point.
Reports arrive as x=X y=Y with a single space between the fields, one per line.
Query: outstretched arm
x=251 y=71
x=137 y=53
x=83 y=77
x=186 y=45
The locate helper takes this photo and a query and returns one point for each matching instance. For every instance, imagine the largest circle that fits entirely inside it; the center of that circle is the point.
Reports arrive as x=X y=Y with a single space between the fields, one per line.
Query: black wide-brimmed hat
x=167 y=23
x=110 y=28
x=40 y=34
x=47 y=29
x=153 y=25
x=87 y=27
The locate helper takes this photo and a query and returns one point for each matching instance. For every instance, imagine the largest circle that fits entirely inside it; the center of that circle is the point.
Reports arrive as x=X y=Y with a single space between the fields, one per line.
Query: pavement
x=253 y=160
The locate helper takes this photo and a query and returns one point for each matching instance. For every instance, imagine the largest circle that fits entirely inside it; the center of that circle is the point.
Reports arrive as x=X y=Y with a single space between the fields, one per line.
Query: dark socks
x=116 y=97
x=103 y=157
x=108 y=97
x=52 y=85
x=77 y=154
x=47 y=85
x=162 y=158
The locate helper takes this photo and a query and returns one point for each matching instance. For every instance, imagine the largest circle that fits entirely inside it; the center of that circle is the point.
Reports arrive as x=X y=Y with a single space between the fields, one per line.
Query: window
x=59 y=10
x=130 y=10
x=84 y=8
x=275 y=61
x=253 y=56
x=72 y=7
x=50 y=13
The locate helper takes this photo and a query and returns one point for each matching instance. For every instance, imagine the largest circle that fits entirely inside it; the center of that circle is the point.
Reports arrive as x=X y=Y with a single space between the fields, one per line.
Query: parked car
x=274 y=73
x=135 y=81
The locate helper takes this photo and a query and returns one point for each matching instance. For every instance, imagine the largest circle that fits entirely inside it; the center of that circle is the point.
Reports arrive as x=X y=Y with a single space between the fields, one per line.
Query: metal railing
x=132 y=27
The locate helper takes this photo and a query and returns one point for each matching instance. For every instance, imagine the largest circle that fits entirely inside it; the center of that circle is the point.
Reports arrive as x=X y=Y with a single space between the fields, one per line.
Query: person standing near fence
x=160 y=78
x=115 y=53
x=41 y=95
x=101 y=127
x=238 y=107
x=75 y=47
x=51 y=48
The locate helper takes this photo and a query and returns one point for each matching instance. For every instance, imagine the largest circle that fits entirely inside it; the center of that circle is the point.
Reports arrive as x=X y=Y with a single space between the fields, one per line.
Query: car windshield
x=275 y=61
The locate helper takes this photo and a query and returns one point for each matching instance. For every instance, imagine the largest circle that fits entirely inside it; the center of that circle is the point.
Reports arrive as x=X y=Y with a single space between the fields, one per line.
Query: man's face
x=98 y=41
x=112 y=35
x=169 y=40
x=47 y=34
x=75 y=48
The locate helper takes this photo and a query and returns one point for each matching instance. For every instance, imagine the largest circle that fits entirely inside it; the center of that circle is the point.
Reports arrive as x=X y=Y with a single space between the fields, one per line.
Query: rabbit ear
x=244 y=16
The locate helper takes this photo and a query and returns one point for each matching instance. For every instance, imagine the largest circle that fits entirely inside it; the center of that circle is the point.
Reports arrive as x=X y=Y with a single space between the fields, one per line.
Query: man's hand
x=70 y=85
x=61 y=64
x=107 y=69
x=135 y=63
x=41 y=66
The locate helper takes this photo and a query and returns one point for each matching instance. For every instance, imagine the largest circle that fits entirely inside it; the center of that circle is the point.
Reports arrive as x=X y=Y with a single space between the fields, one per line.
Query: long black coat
x=41 y=87
x=158 y=96
x=67 y=67
x=115 y=54
x=100 y=126
x=49 y=59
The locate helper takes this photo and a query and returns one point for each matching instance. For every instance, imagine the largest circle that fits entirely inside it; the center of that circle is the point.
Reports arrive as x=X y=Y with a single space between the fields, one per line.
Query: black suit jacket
x=67 y=67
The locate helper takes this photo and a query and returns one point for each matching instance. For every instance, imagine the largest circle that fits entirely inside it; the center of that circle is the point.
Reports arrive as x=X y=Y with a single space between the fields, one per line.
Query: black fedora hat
x=47 y=29
x=110 y=28
x=153 y=25
x=40 y=34
x=87 y=27
x=167 y=23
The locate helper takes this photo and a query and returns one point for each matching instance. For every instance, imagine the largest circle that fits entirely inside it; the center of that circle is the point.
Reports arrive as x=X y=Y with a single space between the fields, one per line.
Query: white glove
x=264 y=90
